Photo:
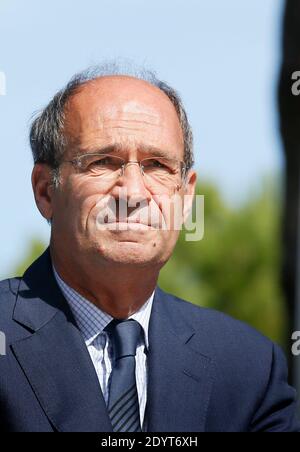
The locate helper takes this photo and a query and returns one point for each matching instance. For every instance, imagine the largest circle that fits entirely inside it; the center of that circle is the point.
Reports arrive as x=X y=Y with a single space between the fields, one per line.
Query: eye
x=103 y=161
x=158 y=164
x=108 y=162
x=153 y=163
x=99 y=162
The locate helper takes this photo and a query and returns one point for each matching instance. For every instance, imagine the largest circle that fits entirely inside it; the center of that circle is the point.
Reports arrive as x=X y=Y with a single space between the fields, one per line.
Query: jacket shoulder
x=240 y=352
x=250 y=373
x=226 y=335
x=9 y=285
x=8 y=293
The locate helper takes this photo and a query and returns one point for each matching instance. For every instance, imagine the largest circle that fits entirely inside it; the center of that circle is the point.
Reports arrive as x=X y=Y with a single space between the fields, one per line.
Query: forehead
x=118 y=108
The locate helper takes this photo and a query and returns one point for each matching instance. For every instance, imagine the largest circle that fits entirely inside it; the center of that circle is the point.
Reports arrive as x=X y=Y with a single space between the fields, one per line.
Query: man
x=92 y=344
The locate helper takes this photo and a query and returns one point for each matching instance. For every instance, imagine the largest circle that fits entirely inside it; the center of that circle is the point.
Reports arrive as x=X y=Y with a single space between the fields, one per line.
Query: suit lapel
x=180 y=376
x=54 y=357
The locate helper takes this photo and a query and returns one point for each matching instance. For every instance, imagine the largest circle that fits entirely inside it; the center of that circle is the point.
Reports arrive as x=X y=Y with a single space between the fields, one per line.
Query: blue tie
x=123 y=404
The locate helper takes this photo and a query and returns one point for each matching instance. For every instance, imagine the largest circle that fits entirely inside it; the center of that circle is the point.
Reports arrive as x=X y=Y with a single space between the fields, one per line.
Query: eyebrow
x=118 y=148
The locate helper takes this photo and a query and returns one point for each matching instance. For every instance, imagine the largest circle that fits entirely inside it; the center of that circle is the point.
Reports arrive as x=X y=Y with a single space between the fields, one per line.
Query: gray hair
x=47 y=138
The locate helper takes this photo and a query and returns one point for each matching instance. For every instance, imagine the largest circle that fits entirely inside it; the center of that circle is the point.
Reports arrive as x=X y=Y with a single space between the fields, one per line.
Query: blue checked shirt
x=91 y=321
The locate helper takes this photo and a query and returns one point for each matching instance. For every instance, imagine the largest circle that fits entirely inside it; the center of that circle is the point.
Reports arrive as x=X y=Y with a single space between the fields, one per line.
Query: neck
x=120 y=291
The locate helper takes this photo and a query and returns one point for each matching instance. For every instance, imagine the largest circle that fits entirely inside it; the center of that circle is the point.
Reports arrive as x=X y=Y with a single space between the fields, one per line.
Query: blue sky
x=222 y=56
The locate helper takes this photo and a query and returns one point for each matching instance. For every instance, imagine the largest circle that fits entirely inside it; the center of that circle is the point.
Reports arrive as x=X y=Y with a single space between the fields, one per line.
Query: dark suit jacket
x=207 y=372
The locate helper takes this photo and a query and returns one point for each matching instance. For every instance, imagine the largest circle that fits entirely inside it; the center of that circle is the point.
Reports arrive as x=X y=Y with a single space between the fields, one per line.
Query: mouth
x=129 y=226
x=131 y=222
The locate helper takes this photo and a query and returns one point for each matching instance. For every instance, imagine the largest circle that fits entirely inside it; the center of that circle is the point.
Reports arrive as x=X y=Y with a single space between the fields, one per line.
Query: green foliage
x=235 y=268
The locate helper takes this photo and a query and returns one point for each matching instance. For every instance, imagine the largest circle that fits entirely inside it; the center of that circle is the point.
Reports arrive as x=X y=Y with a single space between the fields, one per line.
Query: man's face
x=131 y=119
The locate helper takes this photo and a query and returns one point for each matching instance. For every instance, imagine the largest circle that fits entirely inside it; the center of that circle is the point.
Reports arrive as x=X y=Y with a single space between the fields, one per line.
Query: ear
x=42 y=186
x=189 y=188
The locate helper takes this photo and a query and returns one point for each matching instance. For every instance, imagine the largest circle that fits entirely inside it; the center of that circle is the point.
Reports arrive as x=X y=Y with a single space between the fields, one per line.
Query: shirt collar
x=91 y=320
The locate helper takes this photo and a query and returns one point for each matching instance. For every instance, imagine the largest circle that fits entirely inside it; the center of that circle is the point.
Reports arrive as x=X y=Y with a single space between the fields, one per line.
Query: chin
x=128 y=253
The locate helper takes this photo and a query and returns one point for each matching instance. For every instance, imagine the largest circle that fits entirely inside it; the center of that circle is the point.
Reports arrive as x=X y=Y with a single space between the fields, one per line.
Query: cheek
x=164 y=243
x=72 y=208
x=171 y=209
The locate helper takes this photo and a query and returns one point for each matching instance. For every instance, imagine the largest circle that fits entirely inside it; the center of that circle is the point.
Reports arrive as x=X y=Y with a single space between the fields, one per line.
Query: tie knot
x=125 y=335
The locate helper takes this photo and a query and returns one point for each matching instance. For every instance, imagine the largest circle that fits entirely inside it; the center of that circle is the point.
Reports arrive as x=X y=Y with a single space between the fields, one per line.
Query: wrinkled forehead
x=124 y=106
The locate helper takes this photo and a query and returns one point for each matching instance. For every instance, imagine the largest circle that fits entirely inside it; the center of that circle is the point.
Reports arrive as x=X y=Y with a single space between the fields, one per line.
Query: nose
x=133 y=185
